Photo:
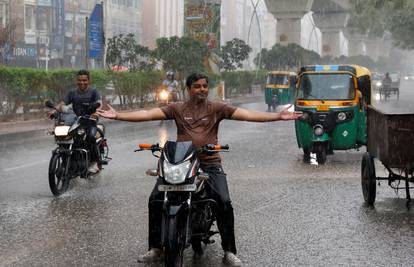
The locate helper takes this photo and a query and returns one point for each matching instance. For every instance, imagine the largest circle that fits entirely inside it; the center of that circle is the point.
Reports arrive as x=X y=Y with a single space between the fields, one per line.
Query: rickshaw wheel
x=321 y=154
x=368 y=179
x=269 y=107
x=306 y=155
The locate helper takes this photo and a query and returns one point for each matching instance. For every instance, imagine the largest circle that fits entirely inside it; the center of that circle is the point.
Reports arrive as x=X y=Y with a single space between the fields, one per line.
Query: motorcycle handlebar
x=214 y=147
x=152 y=147
x=145 y=146
x=205 y=148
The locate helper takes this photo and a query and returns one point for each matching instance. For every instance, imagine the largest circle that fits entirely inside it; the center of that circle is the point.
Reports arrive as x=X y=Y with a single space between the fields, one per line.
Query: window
x=29 y=18
x=43 y=17
x=326 y=87
x=278 y=79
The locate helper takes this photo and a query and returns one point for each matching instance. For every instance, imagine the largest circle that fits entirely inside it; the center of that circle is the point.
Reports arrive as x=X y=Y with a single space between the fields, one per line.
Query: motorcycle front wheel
x=174 y=247
x=58 y=174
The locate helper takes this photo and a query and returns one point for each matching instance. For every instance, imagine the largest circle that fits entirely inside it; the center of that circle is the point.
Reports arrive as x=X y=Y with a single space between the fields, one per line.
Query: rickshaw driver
x=198 y=121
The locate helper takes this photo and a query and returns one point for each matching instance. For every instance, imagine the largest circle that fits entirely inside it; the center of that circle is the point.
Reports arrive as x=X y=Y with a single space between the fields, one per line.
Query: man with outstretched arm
x=198 y=121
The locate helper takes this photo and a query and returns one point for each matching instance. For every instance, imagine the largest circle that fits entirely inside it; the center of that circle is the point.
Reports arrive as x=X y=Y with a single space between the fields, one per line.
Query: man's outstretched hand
x=110 y=113
x=286 y=115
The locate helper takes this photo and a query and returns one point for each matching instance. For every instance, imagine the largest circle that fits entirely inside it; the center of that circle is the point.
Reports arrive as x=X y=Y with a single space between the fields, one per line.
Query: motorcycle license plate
x=183 y=187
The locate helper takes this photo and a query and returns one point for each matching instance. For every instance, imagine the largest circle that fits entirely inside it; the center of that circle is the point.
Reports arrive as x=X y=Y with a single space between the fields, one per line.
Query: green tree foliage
x=134 y=88
x=233 y=53
x=123 y=50
x=286 y=57
x=238 y=82
x=183 y=55
x=26 y=89
x=375 y=17
x=21 y=87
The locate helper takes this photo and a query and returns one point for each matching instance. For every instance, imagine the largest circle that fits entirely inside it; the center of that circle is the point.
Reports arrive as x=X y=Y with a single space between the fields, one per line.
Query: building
x=239 y=21
x=51 y=33
x=162 y=18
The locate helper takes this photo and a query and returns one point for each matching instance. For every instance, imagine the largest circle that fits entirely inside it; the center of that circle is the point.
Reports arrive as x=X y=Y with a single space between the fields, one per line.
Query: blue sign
x=95 y=32
x=58 y=36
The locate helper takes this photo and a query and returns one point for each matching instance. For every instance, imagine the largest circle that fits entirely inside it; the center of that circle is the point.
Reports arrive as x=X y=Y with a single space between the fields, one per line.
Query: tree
x=233 y=54
x=286 y=57
x=375 y=17
x=182 y=55
x=125 y=51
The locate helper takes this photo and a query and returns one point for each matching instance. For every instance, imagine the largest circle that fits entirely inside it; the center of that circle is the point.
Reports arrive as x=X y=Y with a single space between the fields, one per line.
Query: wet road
x=287 y=213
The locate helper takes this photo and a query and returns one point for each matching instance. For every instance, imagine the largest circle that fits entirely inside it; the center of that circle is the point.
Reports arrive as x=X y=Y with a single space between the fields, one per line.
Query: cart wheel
x=368 y=179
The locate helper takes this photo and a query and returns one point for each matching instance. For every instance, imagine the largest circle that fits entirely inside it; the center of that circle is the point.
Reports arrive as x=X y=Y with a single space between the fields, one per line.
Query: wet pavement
x=288 y=213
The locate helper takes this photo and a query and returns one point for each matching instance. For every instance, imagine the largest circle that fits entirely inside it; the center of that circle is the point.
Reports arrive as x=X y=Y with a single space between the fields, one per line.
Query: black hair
x=193 y=78
x=84 y=72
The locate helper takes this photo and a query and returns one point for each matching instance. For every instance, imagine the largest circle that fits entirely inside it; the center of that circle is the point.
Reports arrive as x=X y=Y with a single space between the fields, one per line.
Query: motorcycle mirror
x=49 y=104
x=152 y=172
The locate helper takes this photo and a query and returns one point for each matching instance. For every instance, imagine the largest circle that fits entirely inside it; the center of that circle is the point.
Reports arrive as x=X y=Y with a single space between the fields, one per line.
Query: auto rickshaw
x=333 y=99
x=280 y=87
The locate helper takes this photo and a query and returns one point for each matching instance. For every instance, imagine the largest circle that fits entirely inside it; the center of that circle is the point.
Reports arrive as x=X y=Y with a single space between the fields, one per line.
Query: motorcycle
x=163 y=96
x=71 y=158
x=188 y=213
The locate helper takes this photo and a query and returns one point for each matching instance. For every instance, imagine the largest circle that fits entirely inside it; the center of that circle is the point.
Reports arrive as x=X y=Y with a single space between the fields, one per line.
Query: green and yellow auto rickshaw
x=333 y=99
x=280 y=88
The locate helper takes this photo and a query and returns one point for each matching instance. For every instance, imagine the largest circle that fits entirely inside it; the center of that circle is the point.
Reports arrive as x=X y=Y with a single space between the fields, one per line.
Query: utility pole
x=86 y=42
x=104 y=34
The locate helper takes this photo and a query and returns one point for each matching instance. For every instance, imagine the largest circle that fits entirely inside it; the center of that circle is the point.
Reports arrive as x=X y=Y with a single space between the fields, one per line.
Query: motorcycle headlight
x=164 y=95
x=318 y=130
x=379 y=84
x=61 y=130
x=175 y=174
x=341 y=116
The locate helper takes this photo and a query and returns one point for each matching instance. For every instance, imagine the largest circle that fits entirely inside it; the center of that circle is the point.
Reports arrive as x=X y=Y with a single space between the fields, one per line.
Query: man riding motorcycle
x=198 y=120
x=82 y=99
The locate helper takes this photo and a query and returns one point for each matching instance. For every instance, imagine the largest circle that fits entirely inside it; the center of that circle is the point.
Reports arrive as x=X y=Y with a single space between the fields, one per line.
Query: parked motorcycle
x=71 y=158
x=188 y=212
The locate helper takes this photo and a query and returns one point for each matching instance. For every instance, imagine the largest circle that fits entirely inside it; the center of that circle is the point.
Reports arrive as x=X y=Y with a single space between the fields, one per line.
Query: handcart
x=391 y=141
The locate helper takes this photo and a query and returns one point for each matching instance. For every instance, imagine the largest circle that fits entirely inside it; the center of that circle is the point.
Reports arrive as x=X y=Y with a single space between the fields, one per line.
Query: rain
x=314 y=98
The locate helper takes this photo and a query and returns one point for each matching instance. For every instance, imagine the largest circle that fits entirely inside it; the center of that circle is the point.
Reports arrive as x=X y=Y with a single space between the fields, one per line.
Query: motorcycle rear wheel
x=58 y=174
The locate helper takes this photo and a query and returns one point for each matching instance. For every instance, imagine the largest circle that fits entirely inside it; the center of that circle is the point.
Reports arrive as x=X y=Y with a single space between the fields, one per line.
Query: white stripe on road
x=25 y=165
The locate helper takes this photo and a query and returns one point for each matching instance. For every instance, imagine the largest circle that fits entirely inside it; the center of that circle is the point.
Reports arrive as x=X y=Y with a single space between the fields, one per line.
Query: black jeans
x=217 y=190
x=91 y=133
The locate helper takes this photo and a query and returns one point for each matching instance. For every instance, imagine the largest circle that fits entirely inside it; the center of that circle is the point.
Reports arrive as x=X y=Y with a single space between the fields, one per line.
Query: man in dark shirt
x=82 y=100
x=198 y=121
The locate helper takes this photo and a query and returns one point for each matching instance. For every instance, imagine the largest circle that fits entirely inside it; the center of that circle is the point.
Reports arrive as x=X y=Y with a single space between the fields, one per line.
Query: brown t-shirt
x=199 y=123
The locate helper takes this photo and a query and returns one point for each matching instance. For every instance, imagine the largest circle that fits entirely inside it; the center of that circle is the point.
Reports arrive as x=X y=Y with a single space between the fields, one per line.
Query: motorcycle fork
x=68 y=155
